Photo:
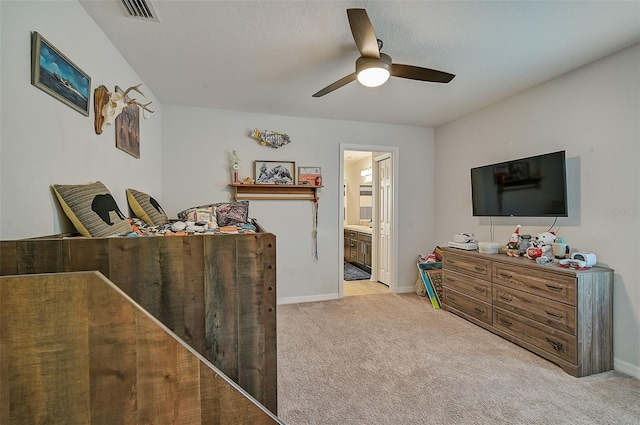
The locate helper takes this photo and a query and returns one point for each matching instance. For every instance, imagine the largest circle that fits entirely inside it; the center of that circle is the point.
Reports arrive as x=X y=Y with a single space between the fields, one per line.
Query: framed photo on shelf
x=275 y=172
x=310 y=175
x=53 y=73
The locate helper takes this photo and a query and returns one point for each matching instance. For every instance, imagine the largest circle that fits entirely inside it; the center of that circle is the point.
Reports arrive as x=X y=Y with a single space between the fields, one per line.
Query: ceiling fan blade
x=363 y=34
x=335 y=86
x=421 y=74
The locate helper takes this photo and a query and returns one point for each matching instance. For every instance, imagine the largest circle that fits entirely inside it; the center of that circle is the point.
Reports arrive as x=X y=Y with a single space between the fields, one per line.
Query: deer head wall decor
x=108 y=105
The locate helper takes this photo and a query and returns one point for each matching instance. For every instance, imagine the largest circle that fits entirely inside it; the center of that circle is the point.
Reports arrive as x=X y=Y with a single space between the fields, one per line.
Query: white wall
x=594 y=114
x=196 y=146
x=43 y=141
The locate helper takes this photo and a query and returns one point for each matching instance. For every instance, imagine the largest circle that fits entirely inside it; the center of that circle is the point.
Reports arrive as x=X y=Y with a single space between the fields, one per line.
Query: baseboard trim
x=406 y=289
x=307 y=299
x=626 y=368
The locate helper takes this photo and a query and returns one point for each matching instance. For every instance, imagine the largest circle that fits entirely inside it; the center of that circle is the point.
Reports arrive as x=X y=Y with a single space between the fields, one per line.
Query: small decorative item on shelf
x=235 y=165
x=310 y=175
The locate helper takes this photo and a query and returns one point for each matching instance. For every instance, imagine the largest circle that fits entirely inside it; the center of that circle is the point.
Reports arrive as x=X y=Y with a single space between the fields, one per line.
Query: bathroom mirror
x=366 y=204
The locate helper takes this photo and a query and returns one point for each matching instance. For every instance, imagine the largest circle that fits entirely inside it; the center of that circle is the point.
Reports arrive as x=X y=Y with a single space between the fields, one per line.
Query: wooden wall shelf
x=275 y=192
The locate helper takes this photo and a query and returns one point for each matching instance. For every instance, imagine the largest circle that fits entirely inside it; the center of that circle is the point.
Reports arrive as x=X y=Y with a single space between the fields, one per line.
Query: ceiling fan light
x=373 y=72
x=373 y=77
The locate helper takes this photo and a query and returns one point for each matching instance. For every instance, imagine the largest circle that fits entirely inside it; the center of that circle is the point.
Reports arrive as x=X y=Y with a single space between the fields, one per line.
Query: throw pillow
x=92 y=210
x=226 y=213
x=201 y=215
x=146 y=208
x=232 y=213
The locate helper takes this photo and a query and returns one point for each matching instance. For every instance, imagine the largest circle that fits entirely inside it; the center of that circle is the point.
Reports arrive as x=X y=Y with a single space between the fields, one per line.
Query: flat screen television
x=526 y=187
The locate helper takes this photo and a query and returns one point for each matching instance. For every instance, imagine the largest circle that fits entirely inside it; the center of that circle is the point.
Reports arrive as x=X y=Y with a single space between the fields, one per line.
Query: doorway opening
x=368 y=228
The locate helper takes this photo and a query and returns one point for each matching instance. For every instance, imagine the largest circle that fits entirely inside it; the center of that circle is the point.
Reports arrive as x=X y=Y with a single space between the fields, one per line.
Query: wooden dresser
x=563 y=315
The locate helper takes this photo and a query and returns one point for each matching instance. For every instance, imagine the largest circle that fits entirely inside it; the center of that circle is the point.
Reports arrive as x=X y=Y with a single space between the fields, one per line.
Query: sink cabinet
x=357 y=249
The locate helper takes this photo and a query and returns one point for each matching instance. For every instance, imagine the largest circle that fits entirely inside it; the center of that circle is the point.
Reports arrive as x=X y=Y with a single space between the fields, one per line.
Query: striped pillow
x=92 y=210
x=146 y=208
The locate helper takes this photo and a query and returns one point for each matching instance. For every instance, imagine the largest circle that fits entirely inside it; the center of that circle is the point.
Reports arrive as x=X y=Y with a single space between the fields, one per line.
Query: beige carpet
x=363 y=287
x=392 y=359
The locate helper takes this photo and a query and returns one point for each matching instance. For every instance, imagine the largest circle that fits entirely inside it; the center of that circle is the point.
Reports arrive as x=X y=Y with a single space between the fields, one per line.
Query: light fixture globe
x=373 y=72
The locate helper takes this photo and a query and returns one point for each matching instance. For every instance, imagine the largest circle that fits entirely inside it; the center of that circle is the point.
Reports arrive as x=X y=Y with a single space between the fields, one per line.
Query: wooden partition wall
x=216 y=292
x=75 y=349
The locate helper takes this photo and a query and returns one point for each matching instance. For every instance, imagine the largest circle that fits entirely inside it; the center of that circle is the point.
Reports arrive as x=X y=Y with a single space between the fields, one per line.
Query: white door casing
x=385 y=219
x=391 y=152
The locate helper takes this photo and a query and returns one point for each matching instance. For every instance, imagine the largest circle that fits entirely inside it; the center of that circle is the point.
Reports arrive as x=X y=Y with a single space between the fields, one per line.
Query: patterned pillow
x=201 y=215
x=226 y=213
x=92 y=210
x=232 y=213
x=146 y=208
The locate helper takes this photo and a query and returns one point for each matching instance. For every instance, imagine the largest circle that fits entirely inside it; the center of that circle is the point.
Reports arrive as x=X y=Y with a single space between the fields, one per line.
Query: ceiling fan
x=374 y=68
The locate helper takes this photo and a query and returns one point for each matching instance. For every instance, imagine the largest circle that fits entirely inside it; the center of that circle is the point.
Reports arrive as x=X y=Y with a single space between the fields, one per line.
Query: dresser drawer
x=548 y=285
x=476 y=267
x=467 y=305
x=551 y=313
x=472 y=286
x=543 y=337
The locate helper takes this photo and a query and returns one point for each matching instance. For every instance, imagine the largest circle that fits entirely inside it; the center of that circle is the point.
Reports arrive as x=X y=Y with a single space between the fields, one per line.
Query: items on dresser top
x=563 y=315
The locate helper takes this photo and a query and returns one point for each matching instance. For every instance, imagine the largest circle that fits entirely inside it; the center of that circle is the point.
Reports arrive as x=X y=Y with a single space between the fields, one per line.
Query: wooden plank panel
x=194 y=322
x=169 y=281
x=43 y=324
x=172 y=258
x=168 y=384
x=104 y=361
x=224 y=405
x=86 y=255
x=221 y=315
x=112 y=336
x=270 y=371
x=8 y=258
x=134 y=267
x=40 y=256
x=250 y=317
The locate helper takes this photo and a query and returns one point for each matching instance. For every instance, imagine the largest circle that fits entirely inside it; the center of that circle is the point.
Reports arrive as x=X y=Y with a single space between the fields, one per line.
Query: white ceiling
x=271 y=56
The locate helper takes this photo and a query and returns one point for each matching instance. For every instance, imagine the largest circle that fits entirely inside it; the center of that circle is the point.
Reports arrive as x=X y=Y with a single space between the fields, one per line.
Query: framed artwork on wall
x=310 y=175
x=55 y=74
x=128 y=129
x=275 y=172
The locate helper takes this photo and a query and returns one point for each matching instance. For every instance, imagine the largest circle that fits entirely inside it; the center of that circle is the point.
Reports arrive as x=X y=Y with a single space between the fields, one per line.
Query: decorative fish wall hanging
x=272 y=139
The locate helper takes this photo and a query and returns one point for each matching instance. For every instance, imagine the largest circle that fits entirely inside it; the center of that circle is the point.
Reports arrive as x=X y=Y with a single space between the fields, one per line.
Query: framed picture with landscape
x=55 y=74
x=275 y=172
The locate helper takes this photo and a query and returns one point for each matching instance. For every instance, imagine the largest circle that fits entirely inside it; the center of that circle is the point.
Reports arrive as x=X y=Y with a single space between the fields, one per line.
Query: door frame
x=394 y=152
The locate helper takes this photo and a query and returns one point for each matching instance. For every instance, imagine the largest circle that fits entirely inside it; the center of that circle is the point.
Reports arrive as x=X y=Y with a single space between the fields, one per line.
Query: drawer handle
x=556 y=345
x=554 y=288
x=557 y=316
x=478 y=289
x=451 y=298
x=505 y=298
x=478 y=310
x=506 y=322
x=450 y=279
x=506 y=276
x=479 y=269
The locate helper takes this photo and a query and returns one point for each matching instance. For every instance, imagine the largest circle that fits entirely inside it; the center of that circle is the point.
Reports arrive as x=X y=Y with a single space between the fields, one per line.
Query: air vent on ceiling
x=140 y=9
